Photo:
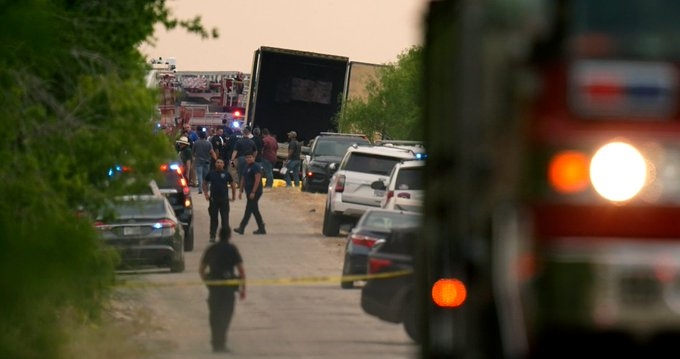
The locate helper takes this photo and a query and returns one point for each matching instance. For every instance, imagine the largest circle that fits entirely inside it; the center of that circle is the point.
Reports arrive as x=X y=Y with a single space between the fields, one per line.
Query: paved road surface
x=275 y=321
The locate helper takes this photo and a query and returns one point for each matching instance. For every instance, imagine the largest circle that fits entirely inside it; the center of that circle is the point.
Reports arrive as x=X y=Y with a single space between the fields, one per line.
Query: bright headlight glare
x=618 y=171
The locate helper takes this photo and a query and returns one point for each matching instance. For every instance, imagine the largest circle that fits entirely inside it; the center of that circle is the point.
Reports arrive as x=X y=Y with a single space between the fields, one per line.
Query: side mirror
x=379 y=185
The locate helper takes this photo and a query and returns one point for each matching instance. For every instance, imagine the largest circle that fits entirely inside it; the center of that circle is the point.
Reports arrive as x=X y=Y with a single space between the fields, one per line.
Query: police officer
x=217 y=266
x=217 y=194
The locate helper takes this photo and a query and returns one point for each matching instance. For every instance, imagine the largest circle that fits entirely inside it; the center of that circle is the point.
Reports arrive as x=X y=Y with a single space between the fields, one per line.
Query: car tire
x=346 y=271
x=410 y=318
x=331 y=224
x=177 y=266
x=189 y=240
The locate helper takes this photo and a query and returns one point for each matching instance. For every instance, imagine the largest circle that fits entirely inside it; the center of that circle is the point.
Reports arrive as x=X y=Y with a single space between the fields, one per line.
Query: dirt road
x=277 y=319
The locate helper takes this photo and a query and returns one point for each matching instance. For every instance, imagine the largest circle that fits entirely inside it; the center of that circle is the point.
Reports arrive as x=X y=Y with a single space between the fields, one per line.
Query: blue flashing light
x=174 y=166
x=157 y=225
x=235 y=124
x=421 y=156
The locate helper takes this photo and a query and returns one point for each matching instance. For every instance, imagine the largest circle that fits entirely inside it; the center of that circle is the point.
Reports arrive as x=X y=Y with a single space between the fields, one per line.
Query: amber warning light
x=448 y=293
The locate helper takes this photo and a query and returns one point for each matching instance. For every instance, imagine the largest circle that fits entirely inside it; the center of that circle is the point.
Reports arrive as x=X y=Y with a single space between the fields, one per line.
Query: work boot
x=260 y=230
x=239 y=230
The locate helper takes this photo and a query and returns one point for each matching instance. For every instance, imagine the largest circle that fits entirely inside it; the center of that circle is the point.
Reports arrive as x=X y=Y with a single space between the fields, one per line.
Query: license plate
x=378 y=193
x=131 y=231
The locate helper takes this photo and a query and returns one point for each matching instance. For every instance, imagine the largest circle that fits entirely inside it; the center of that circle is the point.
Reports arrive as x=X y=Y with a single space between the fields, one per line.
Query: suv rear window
x=368 y=163
x=336 y=146
x=409 y=178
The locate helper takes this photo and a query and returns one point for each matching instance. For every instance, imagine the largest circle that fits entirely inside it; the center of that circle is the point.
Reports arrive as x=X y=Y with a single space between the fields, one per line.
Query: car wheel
x=189 y=240
x=346 y=271
x=177 y=266
x=331 y=223
x=410 y=319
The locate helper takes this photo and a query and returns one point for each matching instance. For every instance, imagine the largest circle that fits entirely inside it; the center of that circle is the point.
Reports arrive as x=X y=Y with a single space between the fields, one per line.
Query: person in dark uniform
x=218 y=196
x=251 y=182
x=217 y=264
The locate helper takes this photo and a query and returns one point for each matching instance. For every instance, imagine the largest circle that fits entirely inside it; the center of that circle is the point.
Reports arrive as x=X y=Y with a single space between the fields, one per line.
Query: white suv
x=405 y=188
x=350 y=192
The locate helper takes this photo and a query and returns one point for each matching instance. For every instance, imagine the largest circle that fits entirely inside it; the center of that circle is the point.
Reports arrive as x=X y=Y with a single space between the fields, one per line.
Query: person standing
x=217 y=264
x=251 y=182
x=203 y=154
x=269 y=157
x=244 y=146
x=293 y=161
x=220 y=144
x=215 y=187
x=235 y=136
x=185 y=156
x=259 y=143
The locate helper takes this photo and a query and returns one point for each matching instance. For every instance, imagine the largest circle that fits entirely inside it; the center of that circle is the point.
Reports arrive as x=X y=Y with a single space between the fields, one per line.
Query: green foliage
x=392 y=109
x=74 y=104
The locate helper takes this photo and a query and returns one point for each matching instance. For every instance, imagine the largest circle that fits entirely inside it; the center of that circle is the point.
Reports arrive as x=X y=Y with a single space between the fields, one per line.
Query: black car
x=324 y=155
x=175 y=187
x=375 y=224
x=391 y=297
x=144 y=231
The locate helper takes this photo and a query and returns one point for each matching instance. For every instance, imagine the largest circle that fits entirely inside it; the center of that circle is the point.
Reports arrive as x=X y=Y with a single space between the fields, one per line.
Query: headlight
x=618 y=171
x=332 y=166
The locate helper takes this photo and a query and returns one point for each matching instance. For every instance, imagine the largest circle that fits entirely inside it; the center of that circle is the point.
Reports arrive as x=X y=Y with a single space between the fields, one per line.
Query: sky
x=372 y=31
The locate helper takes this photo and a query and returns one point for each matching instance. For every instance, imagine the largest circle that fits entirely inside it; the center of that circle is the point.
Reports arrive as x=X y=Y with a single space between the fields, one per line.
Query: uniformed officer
x=217 y=264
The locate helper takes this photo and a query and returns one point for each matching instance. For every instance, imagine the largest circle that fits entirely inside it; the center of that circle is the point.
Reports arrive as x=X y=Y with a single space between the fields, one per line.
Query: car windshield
x=137 y=207
x=368 y=163
x=387 y=221
x=336 y=147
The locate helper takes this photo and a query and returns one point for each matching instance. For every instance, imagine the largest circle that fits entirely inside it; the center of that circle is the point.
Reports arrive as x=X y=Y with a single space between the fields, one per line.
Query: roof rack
x=399 y=143
x=343 y=134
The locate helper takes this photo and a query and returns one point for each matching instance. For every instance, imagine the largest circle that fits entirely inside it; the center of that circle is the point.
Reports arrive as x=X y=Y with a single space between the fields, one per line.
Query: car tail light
x=165 y=223
x=376 y=264
x=448 y=293
x=388 y=196
x=364 y=241
x=340 y=184
x=100 y=225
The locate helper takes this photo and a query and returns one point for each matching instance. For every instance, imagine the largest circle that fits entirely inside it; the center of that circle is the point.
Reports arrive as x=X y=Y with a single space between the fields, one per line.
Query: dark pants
x=221 y=301
x=216 y=207
x=252 y=207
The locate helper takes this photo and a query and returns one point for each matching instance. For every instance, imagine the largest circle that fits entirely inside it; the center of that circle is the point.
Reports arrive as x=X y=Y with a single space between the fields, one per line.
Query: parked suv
x=176 y=189
x=405 y=188
x=350 y=192
x=326 y=152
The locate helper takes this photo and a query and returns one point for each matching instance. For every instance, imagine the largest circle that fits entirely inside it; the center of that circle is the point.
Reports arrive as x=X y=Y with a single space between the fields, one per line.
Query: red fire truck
x=552 y=221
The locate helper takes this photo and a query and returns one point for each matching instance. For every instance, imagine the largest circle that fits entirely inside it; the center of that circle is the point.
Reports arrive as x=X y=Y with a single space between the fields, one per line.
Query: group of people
x=249 y=156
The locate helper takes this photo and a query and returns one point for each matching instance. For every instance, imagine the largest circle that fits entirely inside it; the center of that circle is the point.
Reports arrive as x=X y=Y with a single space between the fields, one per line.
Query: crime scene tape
x=317 y=280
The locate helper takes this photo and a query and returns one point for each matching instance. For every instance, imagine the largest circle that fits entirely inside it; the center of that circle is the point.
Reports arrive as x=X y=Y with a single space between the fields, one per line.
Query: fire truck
x=552 y=211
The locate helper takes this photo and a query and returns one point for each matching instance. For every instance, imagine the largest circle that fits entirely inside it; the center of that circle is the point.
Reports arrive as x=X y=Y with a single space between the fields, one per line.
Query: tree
x=392 y=109
x=74 y=103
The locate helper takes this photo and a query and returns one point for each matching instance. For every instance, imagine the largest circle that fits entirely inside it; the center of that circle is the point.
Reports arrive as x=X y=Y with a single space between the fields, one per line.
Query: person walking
x=216 y=266
x=215 y=187
x=203 y=154
x=269 y=157
x=293 y=162
x=251 y=182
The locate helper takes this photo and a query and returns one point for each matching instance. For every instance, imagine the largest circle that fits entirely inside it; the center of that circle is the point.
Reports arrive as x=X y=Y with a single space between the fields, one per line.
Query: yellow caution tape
x=272 y=281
